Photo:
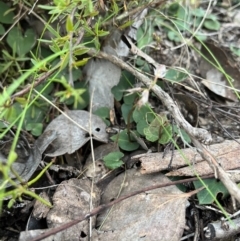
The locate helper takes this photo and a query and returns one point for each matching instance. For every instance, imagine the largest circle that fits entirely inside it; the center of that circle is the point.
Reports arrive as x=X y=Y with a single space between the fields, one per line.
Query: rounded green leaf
x=12 y=112
x=175 y=75
x=129 y=99
x=22 y=44
x=198 y=12
x=35 y=128
x=212 y=24
x=125 y=83
x=144 y=113
x=112 y=160
x=173 y=36
x=126 y=111
x=104 y=113
x=173 y=9
x=124 y=142
x=141 y=125
x=166 y=135
x=151 y=133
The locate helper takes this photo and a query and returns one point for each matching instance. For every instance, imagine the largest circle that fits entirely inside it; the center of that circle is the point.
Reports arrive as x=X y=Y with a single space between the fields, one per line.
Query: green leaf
x=182 y=25
x=144 y=113
x=235 y=50
x=216 y=187
x=35 y=128
x=76 y=74
x=173 y=36
x=11 y=202
x=124 y=142
x=23 y=44
x=198 y=12
x=17 y=82
x=69 y=24
x=112 y=160
x=166 y=135
x=182 y=133
x=6 y=16
x=145 y=67
x=130 y=99
x=212 y=24
x=46 y=7
x=104 y=113
x=4 y=67
x=102 y=33
x=126 y=82
x=127 y=24
x=159 y=129
x=175 y=75
x=151 y=133
x=88 y=30
x=173 y=9
x=12 y=112
x=89 y=8
x=64 y=60
x=126 y=109
x=81 y=51
x=141 y=125
x=145 y=34
x=36 y=113
x=201 y=37
x=115 y=7
x=96 y=43
x=47 y=90
x=81 y=62
x=183 y=18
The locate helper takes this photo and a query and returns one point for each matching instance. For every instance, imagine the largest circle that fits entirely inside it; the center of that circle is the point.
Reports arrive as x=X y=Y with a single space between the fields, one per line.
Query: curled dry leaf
x=74 y=132
x=214 y=79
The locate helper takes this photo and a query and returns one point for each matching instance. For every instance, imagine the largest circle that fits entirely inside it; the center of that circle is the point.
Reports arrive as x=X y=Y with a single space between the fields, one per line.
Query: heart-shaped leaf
x=35 y=128
x=113 y=160
x=124 y=142
x=20 y=43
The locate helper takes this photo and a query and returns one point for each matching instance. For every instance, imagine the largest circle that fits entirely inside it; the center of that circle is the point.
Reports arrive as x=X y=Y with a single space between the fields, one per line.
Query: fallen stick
x=227 y=152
